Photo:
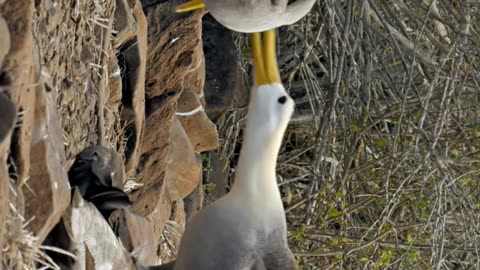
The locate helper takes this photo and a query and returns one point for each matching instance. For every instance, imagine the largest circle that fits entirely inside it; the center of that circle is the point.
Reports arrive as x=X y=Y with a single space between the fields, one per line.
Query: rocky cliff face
x=112 y=73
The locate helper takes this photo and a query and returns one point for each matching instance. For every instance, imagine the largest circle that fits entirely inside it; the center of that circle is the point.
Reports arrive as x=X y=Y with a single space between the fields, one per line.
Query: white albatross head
x=269 y=111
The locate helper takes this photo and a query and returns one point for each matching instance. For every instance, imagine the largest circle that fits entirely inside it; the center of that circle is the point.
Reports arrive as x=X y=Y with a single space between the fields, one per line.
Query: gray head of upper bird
x=248 y=16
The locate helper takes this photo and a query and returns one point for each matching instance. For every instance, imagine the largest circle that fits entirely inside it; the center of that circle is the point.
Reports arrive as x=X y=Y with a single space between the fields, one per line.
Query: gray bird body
x=238 y=240
x=248 y=16
x=246 y=229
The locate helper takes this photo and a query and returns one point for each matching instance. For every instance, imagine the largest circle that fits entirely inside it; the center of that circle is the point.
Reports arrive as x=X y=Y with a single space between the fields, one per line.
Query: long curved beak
x=191 y=5
x=264 y=58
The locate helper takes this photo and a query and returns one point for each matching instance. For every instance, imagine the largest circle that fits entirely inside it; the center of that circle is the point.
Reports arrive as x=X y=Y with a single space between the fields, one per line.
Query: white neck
x=255 y=176
x=255 y=183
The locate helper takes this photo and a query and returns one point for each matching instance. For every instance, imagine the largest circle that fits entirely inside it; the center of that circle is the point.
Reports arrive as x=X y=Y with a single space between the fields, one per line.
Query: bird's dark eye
x=282 y=99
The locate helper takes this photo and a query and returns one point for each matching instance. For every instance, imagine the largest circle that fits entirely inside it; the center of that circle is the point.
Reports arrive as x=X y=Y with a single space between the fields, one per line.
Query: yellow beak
x=263 y=49
x=191 y=5
x=264 y=58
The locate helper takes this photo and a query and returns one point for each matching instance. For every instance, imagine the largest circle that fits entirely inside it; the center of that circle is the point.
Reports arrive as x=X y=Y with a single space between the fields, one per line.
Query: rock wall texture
x=115 y=73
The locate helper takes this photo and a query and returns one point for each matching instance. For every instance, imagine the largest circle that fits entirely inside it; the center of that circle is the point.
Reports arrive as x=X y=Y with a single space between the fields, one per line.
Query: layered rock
x=47 y=192
x=179 y=218
x=201 y=132
x=159 y=216
x=194 y=201
x=5 y=41
x=183 y=167
x=133 y=58
x=135 y=233
x=18 y=75
x=92 y=240
x=125 y=23
x=95 y=89
x=173 y=48
x=20 y=72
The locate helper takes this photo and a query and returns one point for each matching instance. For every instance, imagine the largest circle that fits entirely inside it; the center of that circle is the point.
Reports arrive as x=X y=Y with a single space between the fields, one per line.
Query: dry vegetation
x=381 y=163
x=72 y=40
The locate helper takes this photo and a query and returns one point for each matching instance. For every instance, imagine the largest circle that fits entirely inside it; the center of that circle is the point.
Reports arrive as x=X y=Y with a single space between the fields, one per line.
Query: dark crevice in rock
x=59 y=238
x=153 y=104
x=5 y=78
x=221 y=78
x=130 y=135
x=15 y=153
x=129 y=61
x=8 y=114
x=150 y=3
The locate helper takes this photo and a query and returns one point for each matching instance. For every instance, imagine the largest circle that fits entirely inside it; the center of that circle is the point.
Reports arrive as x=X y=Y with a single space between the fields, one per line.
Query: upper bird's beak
x=263 y=49
x=191 y=5
x=264 y=58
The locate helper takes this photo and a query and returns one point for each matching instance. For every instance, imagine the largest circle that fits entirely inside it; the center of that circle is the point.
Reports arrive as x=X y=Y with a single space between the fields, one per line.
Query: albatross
x=249 y=16
x=246 y=229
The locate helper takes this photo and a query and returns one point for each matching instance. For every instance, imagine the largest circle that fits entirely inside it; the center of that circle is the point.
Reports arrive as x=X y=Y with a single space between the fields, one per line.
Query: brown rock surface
x=183 y=167
x=174 y=40
x=75 y=41
x=124 y=23
x=134 y=55
x=194 y=201
x=5 y=40
x=136 y=233
x=47 y=192
x=201 y=131
x=179 y=217
x=114 y=83
x=159 y=217
x=21 y=68
x=167 y=63
x=13 y=258
x=173 y=232
x=112 y=110
x=90 y=231
x=69 y=58
x=195 y=77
